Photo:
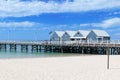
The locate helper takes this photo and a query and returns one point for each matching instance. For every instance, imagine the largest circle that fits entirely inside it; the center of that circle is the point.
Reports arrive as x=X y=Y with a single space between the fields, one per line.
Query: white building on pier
x=81 y=35
x=98 y=36
x=67 y=36
x=56 y=36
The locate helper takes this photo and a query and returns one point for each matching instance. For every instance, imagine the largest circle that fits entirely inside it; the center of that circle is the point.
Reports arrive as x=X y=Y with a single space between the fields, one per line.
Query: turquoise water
x=30 y=54
x=4 y=54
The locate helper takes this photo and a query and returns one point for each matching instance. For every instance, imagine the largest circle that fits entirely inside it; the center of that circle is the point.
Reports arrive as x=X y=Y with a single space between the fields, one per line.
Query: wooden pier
x=61 y=47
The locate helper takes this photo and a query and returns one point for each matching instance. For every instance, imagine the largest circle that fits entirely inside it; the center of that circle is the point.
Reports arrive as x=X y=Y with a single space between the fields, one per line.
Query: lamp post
x=8 y=35
x=35 y=36
x=108 y=59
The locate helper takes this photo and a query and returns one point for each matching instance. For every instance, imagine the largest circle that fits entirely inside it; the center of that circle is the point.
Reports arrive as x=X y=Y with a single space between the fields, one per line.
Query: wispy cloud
x=18 y=8
x=19 y=24
x=117 y=34
x=105 y=24
x=113 y=22
x=27 y=25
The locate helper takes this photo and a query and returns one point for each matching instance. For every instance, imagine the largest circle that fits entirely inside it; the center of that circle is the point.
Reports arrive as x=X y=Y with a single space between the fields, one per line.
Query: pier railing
x=21 y=42
x=88 y=43
x=91 y=43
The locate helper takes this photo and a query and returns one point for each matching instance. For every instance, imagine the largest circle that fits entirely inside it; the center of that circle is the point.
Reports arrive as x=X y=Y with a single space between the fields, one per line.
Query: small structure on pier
x=68 y=36
x=98 y=36
x=56 y=36
x=81 y=35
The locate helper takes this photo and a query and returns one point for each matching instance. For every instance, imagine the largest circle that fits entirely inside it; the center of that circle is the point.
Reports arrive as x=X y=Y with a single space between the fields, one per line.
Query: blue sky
x=34 y=19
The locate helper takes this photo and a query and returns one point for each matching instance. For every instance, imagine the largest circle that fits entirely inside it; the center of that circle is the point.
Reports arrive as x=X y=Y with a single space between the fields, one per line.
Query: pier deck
x=62 y=47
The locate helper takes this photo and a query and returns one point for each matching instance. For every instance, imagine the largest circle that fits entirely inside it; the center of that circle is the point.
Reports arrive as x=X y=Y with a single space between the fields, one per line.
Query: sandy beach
x=61 y=68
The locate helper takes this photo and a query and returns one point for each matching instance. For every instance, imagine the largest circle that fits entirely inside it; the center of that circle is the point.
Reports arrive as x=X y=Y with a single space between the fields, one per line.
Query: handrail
x=62 y=42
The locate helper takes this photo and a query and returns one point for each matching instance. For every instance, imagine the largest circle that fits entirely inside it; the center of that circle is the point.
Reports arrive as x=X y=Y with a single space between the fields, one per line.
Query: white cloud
x=27 y=25
x=113 y=22
x=17 y=8
x=109 y=23
x=118 y=12
x=117 y=34
x=18 y=24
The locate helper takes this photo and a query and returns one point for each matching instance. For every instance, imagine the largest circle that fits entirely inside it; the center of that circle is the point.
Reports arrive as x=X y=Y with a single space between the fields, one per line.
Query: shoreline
x=44 y=55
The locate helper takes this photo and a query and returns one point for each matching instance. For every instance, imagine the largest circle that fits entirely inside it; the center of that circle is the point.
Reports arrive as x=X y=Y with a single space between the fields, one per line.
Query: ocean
x=8 y=54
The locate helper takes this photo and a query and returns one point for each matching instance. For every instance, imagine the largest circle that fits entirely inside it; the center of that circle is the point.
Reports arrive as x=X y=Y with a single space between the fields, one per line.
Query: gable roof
x=59 y=33
x=84 y=32
x=71 y=33
x=101 y=33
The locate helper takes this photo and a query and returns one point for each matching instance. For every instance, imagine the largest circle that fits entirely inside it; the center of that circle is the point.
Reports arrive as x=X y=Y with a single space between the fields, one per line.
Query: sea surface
x=29 y=54
x=6 y=54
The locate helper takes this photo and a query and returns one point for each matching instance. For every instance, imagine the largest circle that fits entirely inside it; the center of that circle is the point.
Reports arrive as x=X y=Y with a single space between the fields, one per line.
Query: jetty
x=113 y=47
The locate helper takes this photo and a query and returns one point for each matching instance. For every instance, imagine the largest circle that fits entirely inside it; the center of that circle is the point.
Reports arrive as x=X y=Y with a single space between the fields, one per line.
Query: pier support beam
x=13 y=47
x=61 y=49
x=35 y=48
x=3 y=47
x=24 y=48
x=82 y=50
